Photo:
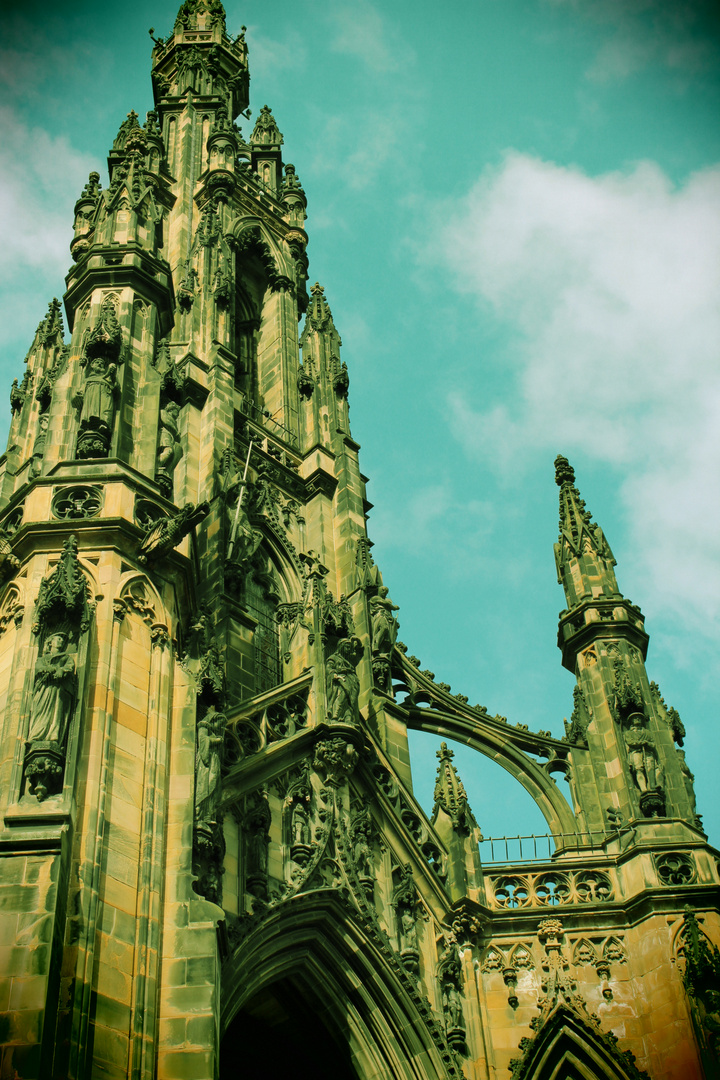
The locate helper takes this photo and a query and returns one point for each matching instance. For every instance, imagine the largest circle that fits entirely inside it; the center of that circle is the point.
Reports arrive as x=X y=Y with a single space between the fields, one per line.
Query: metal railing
x=262 y=418
x=535 y=847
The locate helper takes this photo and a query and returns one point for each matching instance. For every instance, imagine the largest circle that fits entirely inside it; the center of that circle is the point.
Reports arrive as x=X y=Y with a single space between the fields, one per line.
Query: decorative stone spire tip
x=564 y=472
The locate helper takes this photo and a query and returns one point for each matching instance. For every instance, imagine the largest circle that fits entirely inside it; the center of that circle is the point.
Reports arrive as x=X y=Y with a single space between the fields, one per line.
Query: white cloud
x=41 y=175
x=611 y=285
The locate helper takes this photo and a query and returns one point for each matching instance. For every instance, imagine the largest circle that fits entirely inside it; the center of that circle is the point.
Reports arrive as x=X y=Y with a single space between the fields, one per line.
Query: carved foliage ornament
x=63 y=597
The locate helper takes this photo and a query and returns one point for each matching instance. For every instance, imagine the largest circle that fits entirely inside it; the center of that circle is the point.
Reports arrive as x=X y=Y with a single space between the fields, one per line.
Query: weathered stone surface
x=211 y=859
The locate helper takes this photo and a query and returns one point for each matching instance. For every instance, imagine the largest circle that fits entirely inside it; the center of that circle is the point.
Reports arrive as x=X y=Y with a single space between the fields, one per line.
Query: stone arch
x=284 y=559
x=12 y=605
x=533 y=777
x=137 y=592
x=250 y=235
x=431 y=708
x=566 y=1047
x=343 y=970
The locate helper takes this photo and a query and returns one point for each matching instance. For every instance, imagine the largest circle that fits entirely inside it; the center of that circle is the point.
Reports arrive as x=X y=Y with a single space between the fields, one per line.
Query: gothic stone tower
x=212 y=861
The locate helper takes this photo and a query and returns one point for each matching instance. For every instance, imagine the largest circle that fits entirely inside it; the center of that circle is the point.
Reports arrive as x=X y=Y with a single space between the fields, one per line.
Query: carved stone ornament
x=44 y=769
x=336 y=758
x=63 y=597
x=675 y=868
x=203 y=659
x=702 y=982
x=167 y=533
x=77 y=503
x=9 y=563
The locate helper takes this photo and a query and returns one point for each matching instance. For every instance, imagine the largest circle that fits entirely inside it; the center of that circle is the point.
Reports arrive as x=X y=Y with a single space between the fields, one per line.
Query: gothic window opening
x=261 y=604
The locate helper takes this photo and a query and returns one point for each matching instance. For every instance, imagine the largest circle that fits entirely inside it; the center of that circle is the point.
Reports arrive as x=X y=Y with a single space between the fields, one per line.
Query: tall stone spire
x=585 y=569
x=619 y=718
x=582 y=554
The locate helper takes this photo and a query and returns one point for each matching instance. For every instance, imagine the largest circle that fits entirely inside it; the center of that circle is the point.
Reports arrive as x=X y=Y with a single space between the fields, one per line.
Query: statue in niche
x=53 y=692
x=169 y=450
x=362 y=855
x=407 y=930
x=257 y=830
x=208 y=763
x=642 y=755
x=343 y=684
x=300 y=824
x=452 y=1006
x=98 y=408
x=383 y=623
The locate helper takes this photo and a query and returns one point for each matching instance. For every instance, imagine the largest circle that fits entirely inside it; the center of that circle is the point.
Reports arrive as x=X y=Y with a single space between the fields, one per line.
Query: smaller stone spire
x=200 y=15
x=582 y=554
x=319 y=315
x=266 y=133
x=52 y=326
x=450 y=795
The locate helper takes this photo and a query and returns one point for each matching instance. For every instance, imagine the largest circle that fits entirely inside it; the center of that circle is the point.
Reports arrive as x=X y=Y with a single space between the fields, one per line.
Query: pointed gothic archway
x=566 y=1048
x=311 y=969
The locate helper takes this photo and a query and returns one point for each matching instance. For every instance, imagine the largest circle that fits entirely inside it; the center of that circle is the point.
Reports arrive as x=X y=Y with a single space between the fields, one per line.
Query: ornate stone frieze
x=549 y=889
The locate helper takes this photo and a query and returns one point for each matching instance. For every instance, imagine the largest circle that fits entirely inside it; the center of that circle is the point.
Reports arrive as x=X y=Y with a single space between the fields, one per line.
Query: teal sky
x=514 y=207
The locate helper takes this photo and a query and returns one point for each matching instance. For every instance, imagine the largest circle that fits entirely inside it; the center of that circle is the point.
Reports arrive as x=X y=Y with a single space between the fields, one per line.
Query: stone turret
x=635 y=771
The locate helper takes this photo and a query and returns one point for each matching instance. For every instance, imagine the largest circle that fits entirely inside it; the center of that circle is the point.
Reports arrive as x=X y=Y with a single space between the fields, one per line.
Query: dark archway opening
x=276 y=1035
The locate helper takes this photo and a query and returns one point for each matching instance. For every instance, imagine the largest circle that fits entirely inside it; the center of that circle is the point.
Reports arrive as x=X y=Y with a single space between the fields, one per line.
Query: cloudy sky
x=514 y=207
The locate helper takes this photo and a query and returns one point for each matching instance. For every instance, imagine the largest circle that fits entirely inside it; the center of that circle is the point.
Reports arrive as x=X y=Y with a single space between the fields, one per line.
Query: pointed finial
x=449 y=791
x=564 y=472
x=319 y=315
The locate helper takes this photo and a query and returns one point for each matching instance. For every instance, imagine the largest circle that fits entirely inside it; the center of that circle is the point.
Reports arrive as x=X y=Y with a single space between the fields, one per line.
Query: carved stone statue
x=53 y=692
x=642 y=755
x=343 y=685
x=384 y=625
x=169 y=450
x=452 y=1006
x=362 y=855
x=257 y=831
x=98 y=408
x=407 y=930
x=208 y=763
x=300 y=824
